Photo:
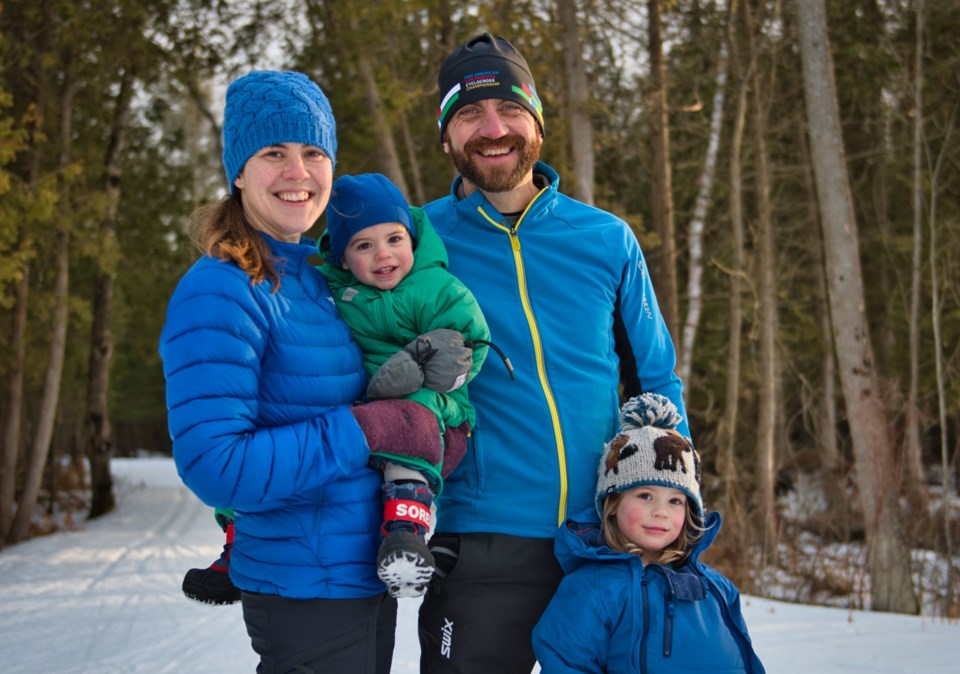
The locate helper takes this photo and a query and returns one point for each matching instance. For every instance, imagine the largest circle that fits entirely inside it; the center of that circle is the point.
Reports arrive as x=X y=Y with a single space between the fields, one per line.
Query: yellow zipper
x=538 y=349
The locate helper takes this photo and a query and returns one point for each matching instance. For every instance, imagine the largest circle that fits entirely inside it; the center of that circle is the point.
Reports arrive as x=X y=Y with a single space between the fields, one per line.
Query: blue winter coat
x=612 y=614
x=258 y=384
x=568 y=298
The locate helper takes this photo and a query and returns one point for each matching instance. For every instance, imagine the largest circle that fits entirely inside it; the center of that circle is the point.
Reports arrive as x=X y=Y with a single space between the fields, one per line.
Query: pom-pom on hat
x=649 y=451
x=485 y=67
x=265 y=107
x=361 y=201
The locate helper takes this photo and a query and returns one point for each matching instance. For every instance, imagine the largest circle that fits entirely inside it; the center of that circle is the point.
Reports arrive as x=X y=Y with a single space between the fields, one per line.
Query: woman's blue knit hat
x=361 y=201
x=265 y=108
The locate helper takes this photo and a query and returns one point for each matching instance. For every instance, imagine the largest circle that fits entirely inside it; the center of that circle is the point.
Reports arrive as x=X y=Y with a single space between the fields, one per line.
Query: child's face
x=652 y=517
x=380 y=256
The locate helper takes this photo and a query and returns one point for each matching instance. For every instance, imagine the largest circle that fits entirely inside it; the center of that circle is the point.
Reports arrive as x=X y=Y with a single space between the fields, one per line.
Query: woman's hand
x=400 y=427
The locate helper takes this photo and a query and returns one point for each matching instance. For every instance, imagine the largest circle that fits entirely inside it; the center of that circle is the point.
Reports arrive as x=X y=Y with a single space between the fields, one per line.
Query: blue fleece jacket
x=568 y=298
x=612 y=614
x=258 y=389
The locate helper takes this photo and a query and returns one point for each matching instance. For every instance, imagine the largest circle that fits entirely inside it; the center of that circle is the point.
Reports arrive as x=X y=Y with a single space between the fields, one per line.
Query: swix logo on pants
x=446 y=639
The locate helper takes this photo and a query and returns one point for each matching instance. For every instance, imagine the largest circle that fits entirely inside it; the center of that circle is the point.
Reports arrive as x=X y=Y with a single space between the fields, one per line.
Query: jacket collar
x=477 y=200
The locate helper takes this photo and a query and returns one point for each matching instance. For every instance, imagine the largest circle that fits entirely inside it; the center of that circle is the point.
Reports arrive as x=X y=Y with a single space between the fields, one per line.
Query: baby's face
x=380 y=256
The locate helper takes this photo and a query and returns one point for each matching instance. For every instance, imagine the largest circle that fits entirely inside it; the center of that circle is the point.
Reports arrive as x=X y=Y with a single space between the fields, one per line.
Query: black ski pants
x=321 y=636
x=482 y=605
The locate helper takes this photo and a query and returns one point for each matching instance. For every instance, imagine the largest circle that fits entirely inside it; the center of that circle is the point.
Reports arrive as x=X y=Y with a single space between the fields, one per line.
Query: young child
x=636 y=598
x=416 y=325
x=423 y=337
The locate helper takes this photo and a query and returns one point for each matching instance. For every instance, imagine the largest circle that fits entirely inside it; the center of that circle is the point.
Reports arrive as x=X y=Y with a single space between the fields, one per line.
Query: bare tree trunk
x=58 y=340
x=98 y=435
x=889 y=558
x=826 y=406
x=728 y=423
x=913 y=464
x=389 y=159
x=766 y=283
x=664 y=267
x=14 y=396
x=12 y=423
x=413 y=158
x=578 y=99
x=942 y=400
x=697 y=222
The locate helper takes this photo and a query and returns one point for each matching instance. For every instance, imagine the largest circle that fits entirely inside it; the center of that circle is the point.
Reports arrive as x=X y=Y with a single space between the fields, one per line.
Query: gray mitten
x=437 y=360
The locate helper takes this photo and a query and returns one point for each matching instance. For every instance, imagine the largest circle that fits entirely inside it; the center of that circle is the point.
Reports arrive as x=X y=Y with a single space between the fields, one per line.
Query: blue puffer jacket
x=612 y=614
x=568 y=298
x=258 y=385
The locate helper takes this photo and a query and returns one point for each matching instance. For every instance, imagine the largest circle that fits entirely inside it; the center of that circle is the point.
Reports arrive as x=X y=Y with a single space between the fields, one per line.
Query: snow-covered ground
x=106 y=598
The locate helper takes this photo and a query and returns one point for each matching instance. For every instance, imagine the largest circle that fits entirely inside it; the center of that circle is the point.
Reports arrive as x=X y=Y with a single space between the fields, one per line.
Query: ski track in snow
x=106 y=599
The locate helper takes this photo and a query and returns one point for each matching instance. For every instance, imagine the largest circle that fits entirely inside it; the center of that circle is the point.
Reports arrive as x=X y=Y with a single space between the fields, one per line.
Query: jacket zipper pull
x=668 y=626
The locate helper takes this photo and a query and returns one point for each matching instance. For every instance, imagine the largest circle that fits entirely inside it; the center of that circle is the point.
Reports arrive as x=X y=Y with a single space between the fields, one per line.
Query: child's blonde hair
x=675 y=553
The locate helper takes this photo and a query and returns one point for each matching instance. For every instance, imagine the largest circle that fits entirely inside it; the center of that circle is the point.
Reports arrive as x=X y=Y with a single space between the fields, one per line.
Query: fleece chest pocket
x=681 y=588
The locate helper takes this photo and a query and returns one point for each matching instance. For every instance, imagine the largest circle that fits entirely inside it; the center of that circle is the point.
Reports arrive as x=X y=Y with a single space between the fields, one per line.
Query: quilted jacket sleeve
x=213 y=343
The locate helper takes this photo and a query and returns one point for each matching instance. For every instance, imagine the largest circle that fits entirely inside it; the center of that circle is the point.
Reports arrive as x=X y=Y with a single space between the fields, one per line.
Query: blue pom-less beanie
x=265 y=108
x=361 y=201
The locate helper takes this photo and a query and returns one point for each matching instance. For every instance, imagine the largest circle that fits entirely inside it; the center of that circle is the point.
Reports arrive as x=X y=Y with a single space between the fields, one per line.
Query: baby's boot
x=212 y=585
x=404 y=562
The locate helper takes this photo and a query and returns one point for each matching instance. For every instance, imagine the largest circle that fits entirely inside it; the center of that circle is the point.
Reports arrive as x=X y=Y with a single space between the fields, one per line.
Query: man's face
x=493 y=144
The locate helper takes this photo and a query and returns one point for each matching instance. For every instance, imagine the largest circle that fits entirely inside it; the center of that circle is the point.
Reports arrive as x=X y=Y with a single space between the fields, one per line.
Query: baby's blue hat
x=361 y=201
x=265 y=108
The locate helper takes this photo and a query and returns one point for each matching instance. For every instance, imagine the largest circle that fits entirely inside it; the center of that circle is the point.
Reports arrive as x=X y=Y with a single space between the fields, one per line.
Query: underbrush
x=821 y=555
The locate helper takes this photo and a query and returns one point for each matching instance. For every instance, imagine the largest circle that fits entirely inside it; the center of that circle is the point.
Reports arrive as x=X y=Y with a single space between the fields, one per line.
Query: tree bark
x=578 y=100
x=14 y=396
x=889 y=558
x=664 y=266
x=913 y=464
x=47 y=414
x=726 y=434
x=389 y=158
x=98 y=436
x=766 y=284
x=13 y=419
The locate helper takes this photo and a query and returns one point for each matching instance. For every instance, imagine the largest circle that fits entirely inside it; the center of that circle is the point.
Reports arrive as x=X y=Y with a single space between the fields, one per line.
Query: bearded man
x=568 y=297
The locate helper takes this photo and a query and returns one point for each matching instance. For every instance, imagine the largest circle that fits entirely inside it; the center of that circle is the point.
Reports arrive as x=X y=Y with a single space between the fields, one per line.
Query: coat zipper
x=646 y=626
x=668 y=614
x=538 y=351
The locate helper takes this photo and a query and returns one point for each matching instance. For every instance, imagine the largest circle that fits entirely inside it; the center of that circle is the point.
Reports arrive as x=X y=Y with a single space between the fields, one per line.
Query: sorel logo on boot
x=446 y=641
x=410 y=511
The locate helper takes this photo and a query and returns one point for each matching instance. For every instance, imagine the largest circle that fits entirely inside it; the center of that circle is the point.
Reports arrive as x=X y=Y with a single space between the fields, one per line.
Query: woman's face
x=285 y=189
x=651 y=517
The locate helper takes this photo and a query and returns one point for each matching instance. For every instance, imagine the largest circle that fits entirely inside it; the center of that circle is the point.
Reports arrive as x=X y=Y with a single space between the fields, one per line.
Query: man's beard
x=502 y=179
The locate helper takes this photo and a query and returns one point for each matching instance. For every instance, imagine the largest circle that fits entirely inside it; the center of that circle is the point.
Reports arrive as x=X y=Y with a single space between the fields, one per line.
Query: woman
x=261 y=373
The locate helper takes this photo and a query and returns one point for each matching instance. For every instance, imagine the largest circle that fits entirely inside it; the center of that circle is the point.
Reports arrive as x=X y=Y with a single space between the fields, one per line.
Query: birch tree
x=698 y=221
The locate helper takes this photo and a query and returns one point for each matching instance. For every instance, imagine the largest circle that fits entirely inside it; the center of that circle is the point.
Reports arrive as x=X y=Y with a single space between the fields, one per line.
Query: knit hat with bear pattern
x=649 y=451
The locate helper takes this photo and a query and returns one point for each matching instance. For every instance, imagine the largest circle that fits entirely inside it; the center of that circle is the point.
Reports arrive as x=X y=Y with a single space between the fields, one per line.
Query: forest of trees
x=791 y=168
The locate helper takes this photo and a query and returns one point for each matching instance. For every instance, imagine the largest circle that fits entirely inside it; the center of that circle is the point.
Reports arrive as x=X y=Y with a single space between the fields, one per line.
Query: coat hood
x=580 y=539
